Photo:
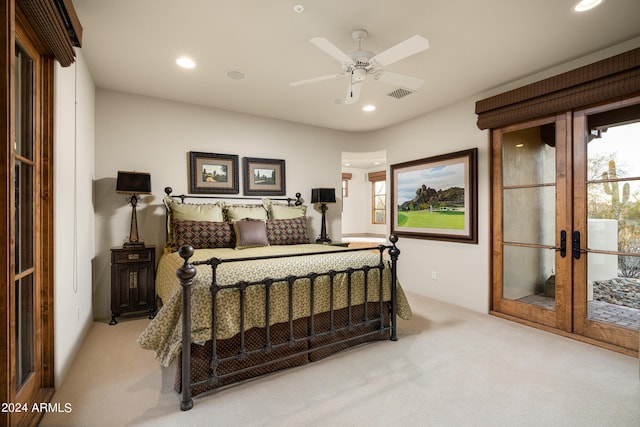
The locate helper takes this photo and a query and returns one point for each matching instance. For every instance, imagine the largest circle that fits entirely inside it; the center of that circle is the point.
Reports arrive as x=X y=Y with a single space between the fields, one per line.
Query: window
x=379 y=202
x=345 y=184
x=378 y=197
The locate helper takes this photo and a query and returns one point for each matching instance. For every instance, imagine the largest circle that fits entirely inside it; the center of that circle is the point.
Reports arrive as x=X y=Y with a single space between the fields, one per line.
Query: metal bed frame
x=376 y=322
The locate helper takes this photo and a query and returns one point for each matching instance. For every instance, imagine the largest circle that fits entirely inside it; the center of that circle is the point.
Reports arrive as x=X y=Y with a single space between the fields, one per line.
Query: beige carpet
x=450 y=367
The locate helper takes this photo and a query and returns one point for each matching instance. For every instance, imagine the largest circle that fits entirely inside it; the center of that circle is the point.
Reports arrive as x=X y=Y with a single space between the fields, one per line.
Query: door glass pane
x=529 y=215
x=529 y=156
x=529 y=276
x=23 y=216
x=25 y=328
x=24 y=104
x=613 y=205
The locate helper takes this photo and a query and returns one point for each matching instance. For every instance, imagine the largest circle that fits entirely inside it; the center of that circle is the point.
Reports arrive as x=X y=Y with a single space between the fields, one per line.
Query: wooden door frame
x=45 y=263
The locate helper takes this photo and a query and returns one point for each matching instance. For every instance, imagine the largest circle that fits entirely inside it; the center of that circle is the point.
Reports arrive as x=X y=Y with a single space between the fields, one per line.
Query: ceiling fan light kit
x=362 y=63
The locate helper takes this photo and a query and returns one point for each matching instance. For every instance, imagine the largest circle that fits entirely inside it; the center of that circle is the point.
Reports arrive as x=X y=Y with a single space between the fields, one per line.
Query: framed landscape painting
x=263 y=177
x=436 y=197
x=212 y=173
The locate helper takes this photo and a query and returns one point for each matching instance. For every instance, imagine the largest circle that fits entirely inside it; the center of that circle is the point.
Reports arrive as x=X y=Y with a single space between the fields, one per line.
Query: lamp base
x=133 y=244
x=324 y=241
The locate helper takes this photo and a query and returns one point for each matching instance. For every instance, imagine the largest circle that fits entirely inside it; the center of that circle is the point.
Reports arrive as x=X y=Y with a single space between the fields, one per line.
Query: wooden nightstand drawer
x=136 y=255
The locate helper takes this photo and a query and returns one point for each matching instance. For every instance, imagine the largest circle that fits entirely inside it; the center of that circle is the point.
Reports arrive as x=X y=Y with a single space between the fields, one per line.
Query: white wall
x=152 y=135
x=356 y=211
x=462 y=270
x=73 y=211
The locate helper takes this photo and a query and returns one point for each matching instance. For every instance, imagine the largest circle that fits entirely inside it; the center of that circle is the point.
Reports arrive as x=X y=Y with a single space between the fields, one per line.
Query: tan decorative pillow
x=277 y=211
x=250 y=233
x=238 y=212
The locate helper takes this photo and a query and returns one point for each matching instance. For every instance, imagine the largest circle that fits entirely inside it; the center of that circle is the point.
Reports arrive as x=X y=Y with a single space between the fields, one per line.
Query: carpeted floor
x=450 y=367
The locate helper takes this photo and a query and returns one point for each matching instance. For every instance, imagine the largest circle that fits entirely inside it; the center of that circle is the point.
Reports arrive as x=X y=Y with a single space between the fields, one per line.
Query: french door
x=27 y=311
x=566 y=224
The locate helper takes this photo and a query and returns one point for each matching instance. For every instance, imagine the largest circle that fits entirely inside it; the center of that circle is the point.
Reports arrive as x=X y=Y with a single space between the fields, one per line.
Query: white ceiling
x=131 y=46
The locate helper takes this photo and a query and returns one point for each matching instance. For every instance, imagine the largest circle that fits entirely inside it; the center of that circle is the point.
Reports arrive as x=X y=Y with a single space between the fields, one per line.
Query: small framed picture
x=212 y=173
x=263 y=177
x=436 y=198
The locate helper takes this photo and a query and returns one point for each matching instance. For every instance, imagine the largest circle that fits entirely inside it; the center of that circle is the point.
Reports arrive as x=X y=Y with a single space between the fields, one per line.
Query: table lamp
x=323 y=196
x=133 y=184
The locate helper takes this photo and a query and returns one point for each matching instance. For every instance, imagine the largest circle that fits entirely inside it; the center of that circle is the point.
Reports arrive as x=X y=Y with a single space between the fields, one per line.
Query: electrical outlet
x=434 y=276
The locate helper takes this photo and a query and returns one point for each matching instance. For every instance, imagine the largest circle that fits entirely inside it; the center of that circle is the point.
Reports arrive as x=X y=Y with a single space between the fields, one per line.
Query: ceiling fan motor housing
x=358 y=75
x=361 y=58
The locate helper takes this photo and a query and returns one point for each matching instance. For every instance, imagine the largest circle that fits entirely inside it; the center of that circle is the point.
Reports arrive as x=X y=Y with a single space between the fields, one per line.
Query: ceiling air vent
x=400 y=93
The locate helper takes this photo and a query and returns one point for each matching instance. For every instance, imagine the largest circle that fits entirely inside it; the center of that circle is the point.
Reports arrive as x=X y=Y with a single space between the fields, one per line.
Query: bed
x=245 y=293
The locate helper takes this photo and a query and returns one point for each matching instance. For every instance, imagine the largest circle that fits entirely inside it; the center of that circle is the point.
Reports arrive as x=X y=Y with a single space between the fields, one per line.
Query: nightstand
x=133 y=288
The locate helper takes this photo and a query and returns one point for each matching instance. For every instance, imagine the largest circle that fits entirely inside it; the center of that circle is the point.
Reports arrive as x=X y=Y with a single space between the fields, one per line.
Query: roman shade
x=606 y=80
x=57 y=24
x=377 y=176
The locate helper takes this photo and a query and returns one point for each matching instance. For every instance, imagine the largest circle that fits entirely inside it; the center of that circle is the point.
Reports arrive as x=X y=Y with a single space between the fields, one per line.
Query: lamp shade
x=133 y=183
x=323 y=195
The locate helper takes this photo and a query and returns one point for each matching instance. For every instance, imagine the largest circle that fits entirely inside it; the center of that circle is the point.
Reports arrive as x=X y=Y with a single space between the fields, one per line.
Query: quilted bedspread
x=163 y=335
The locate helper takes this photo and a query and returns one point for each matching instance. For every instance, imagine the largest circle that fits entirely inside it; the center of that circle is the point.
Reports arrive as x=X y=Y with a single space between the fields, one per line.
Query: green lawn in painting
x=452 y=220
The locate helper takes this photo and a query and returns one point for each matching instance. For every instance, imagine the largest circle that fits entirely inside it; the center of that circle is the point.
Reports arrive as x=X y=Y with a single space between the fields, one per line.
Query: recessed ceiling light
x=584 y=5
x=236 y=75
x=369 y=108
x=185 y=62
x=298 y=8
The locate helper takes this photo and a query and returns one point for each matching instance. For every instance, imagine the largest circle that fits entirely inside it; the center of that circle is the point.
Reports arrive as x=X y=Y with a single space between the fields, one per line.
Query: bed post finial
x=168 y=190
x=186 y=273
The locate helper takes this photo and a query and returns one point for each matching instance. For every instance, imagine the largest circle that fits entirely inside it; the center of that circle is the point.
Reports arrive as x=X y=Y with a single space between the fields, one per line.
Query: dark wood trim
x=7 y=14
x=47 y=221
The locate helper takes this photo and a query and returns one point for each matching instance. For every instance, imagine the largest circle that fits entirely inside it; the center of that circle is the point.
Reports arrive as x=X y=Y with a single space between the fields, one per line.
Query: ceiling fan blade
x=332 y=50
x=353 y=94
x=314 y=79
x=402 y=50
x=402 y=80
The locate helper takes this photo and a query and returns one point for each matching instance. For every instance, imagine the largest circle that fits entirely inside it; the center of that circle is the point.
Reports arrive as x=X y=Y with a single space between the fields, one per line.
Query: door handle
x=563 y=243
x=575 y=247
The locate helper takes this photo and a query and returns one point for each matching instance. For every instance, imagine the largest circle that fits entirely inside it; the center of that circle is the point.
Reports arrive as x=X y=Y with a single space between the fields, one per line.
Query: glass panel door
x=527 y=220
x=608 y=264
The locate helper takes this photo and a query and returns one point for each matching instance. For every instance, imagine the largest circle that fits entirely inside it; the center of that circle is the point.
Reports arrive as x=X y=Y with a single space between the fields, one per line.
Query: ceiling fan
x=362 y=63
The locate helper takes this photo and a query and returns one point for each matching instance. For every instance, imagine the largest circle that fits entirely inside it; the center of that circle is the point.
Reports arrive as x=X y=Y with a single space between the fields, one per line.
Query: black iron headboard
x=297 y=201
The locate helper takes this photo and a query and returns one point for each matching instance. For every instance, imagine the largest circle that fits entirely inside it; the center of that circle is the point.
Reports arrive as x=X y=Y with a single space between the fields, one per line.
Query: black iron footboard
x=187 y=272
